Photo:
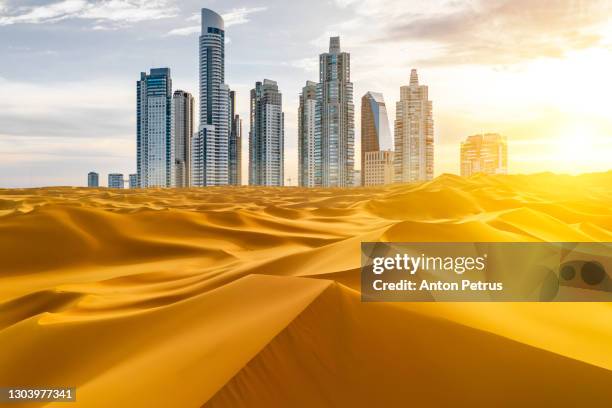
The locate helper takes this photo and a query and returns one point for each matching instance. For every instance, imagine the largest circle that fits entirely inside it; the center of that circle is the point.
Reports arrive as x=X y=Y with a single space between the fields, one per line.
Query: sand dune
x=231 y=297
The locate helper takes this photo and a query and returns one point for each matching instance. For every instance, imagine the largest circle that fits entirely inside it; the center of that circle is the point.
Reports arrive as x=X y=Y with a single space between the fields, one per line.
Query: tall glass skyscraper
x=414 y=137
x=336 y=117
x=375 y=133
x=213 y=144
x=309 y=147
x=154 y=129
x=183 y=131
x=266 y=138
x=235 y=143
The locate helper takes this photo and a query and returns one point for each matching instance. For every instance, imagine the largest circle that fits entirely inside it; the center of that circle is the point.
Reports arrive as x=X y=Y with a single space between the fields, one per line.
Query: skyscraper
x=375 y=133
x=335 y=117
x=115 y=180
x=378 y=169
x=183 y=131
x=155 y=134
x=92 y=179
x=414 y=136
x=235 y=143
x=213 y=137
x=266 y=138
x=133 y=180
x=309 y=148
x=486 y=153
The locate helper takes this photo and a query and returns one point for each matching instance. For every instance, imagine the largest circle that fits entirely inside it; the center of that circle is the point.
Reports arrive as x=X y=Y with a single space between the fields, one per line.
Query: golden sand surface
x=249 y=297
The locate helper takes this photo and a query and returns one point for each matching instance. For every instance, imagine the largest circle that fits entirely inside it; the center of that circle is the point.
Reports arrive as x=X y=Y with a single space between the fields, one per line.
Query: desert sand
x=249 y=297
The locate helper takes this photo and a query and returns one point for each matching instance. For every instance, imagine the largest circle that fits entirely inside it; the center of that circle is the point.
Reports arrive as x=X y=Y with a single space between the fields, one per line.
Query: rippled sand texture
x=248 y=297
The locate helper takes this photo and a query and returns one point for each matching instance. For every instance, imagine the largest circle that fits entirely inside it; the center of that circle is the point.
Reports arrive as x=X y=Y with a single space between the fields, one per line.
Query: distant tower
x=92 y=179
x=378 y=169
x=486 y=153
x=133 y=180
x=115 y=180
x=309 y=148
x=214 y=105
x=375 y=138
x=155 y=134
x=183 y=131
x=336 y=117
x=235 y=143
x=266 y=138
x=414 y=135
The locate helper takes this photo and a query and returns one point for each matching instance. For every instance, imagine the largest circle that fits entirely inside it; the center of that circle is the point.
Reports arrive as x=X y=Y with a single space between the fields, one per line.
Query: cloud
x=240 y=15
x=63 y=109
x=113 y=11
x=309 y=64
x=233 y=17
x=490 y=32
x=184 y=30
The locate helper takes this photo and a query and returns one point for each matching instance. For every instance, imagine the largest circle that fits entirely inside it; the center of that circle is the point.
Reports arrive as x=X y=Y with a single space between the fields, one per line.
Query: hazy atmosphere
x=536 y=72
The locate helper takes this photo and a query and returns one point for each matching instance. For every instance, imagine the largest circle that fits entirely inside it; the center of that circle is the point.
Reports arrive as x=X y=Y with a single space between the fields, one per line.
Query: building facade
x=266 y=136
x=357 y=178
x=335 y=122
x=414 y=135
x=486 y=153
x=378 y=168
x=183 y=131
x=309 y=147
x=115 y=180
x=235 y=143
x=375 y=132
x=155 y=134
x=93 y=179
x=214 y=103
x=133 y=180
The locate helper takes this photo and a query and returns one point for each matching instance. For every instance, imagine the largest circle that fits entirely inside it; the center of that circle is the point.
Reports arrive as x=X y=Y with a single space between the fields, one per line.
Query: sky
x=536 y=72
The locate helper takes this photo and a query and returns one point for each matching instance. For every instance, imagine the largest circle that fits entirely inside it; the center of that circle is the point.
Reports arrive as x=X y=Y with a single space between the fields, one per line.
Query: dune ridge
x=249 y=296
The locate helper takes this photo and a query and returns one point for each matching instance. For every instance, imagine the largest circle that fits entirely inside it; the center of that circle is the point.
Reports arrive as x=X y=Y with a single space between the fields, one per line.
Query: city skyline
x=519 y=94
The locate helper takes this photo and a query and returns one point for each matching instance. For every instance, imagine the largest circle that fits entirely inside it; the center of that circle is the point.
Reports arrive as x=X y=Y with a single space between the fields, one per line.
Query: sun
x=578 y=147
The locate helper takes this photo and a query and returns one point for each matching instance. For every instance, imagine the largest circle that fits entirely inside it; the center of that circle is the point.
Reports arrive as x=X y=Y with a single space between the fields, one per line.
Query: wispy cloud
x=309 y=64
x=233 y=17
x=240 y=15
x=113 y=11
x=483 y=32
x=185 y=30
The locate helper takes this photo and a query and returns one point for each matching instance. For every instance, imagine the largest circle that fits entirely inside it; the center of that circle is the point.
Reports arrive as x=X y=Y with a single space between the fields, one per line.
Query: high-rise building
x=378 y=168
x=133 y=180
x=335 y=122
x=198 y=155
x=183 y=131
x=486 y=153
x=309 y=148
x=115 y=180
x=357 y=178
x=375 y=136
x=235 y=143
x=155 y=134
x=267 y=135
x=92 y=179
x=213 y=134
x=414 y=136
